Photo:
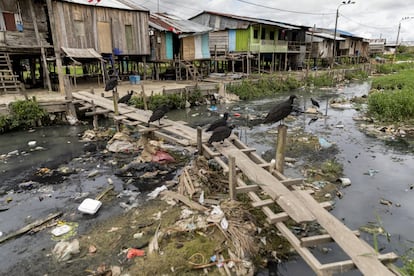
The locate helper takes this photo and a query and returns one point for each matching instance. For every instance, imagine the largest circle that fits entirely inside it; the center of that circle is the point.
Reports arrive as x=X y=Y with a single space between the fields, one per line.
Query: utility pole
x=336 y=25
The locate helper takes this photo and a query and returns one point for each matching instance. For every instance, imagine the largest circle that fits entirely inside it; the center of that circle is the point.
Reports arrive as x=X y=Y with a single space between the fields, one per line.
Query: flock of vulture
x=220 y=128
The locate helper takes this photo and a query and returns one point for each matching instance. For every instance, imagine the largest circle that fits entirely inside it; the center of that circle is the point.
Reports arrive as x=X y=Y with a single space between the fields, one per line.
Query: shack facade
x=181 y=43
x=239 y=39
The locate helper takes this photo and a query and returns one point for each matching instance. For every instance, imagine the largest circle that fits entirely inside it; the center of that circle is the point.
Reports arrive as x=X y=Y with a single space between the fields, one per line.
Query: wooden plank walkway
x=170 y=130
x=297 y=204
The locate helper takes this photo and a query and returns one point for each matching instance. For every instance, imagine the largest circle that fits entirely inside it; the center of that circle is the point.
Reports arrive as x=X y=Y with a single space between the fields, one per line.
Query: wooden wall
x=83 y=26
x=25 y=40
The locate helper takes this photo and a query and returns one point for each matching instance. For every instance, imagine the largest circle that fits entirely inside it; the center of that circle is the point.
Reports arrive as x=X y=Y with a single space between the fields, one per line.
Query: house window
x=272 y=35
x=263 y=35
x=255 y=33
x=129 y=37
x=79 y=28
x=9 y=21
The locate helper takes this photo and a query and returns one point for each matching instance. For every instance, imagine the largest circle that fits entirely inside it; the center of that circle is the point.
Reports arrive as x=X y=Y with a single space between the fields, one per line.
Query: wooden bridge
x=298 y=205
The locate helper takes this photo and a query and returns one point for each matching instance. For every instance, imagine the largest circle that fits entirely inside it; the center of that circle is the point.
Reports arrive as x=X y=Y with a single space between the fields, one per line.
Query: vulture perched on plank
x=219 y=122
x=220 y=133
x=158 y=113
x=125 y=99
x=280 y=111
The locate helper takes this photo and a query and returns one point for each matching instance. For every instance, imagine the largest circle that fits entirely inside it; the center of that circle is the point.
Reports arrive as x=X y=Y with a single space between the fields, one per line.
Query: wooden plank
x=302 y=251
x=262 y=203
x=209 y=152
x=268 y=183
x=248 y=150
x=293 y=181
x=319 y=239
x=343 y=266
x=247 y=188
x=363 y=255
x=97 y=112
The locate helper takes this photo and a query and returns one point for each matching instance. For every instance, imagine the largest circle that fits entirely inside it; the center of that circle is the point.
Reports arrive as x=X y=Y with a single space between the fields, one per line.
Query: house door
x=169 y=45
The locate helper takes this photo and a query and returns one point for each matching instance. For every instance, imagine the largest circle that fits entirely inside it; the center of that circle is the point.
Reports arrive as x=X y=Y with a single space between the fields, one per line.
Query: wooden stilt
x=199 y=141
x=232 y=177
x=115 y=99
x=280 y=147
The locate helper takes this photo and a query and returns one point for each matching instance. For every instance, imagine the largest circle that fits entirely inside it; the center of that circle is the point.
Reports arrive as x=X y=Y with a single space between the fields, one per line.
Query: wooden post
x=144 y=97
x=95 y=117
x=56 y=45
x=199 y=141
x=232 y=177
x=42 y=49
x=115 y=100
x=280 y=147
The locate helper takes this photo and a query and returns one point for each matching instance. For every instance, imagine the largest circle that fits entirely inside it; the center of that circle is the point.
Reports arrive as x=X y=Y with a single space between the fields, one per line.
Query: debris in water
x=371 y=172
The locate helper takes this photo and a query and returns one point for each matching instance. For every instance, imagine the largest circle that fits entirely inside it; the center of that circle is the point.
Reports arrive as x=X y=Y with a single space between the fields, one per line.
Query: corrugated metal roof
x=253 y=20
x=172 y=23
x=115 y=4
x=325 y=35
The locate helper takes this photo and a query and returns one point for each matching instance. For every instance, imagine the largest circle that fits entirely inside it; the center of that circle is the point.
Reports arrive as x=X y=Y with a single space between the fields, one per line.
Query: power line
x=283 y=10
x=368 y=26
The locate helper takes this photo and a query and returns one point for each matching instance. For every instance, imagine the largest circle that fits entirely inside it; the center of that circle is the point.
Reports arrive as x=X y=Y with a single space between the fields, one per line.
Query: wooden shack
x=24 y=42
x=181 y=43
x=116 y=29
x=239 y=39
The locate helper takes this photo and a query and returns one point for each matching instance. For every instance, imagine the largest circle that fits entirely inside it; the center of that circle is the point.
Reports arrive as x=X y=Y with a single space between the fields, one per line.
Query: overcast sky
x=365 y=18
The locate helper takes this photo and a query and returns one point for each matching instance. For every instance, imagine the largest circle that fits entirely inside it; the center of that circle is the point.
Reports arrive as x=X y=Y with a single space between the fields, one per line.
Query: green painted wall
x=242 y=40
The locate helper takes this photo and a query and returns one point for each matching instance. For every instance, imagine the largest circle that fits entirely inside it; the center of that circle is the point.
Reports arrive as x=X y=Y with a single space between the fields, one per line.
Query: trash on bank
x=64 y=250
x=156 y=192
x=133 y=252
x=324 y=143
x=344 y=181
x=61 y=230
x=89 y=206
x=162 y=157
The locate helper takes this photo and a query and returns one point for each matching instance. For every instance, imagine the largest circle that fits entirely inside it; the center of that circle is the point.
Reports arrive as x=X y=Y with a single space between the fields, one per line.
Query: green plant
x=25 y=114
x=4 y=123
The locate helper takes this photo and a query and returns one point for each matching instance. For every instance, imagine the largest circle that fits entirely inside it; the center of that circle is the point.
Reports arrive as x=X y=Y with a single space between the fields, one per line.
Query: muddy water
x=358 y=153
x=390 y=163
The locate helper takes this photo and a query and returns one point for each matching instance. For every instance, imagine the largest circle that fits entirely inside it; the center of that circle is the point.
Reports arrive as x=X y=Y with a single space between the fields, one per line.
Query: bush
x=396 y=105
x=173 y=101
x=266 y=86
x=25 y=114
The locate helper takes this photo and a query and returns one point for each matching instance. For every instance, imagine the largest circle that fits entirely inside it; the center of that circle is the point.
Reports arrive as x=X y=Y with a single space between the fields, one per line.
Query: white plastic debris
x=31 y=143
x=61 y=230
x=201 y=199
x=64 y=250
x=156 y=192
x=345 y=181
x=224 y=223
x=89 y=206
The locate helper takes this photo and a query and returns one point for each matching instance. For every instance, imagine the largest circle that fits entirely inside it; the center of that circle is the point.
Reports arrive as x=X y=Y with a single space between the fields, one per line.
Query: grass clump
x=266 y=86
x=392 y=106
x=23 y=114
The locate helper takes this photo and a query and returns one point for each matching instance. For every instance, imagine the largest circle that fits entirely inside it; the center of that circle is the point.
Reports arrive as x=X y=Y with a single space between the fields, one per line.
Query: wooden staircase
x=191 y=70
x=8 y=81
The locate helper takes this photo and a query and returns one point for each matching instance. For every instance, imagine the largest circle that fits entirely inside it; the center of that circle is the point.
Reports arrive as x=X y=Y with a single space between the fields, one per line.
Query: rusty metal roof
x=115 y=4
x=175 y=24
x=252 y=20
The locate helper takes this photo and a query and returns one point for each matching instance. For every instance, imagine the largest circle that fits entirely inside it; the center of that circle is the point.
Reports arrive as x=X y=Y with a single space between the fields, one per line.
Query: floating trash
x=324 y=143
x=344 y=181
x=371 y=172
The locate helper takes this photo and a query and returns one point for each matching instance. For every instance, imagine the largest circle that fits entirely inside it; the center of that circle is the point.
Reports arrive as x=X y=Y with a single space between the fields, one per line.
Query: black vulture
x=314 y=102
x=158 y=113
x=111 y=83
x=219 y=122
x=125 y=99
x=220 y=133
x=280 y=111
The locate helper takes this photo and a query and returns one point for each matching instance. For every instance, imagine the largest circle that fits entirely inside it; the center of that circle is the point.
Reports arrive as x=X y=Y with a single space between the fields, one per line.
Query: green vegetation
x=395 y=101
x=360 y=75
x=388 y=68
x=408 y=263
x=266 y=86
x=173 y=101
x=320 y=81
x=23 y=114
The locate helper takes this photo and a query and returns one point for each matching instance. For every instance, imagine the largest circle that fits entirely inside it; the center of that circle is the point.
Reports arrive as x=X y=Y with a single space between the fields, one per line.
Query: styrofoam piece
x=89 y=206
x=60 y=230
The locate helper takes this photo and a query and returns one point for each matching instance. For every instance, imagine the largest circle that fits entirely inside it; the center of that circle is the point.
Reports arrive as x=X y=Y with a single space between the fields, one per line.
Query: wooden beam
x=248 y=188
x=232 y=178
x=319 y=239
x=361 y=253
x=248 y=150
x=262 y=203
x=293 y=181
